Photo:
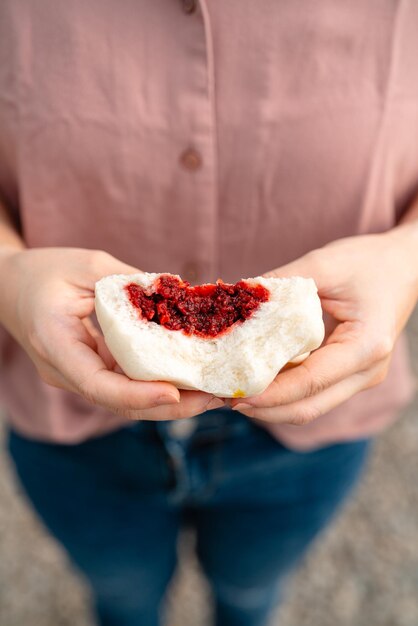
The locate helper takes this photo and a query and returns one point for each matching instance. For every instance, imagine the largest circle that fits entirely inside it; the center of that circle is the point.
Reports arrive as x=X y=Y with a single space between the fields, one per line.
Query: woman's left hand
x=368 y=284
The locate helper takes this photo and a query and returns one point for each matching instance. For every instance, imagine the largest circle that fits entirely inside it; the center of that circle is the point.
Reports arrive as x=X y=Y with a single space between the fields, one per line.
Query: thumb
x=305 y=266
x=314 y=264
x=107 y=264
x=320 y=267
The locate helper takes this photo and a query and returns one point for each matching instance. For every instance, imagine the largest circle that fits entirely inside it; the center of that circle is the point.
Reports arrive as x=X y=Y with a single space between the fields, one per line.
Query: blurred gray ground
x=362 y=572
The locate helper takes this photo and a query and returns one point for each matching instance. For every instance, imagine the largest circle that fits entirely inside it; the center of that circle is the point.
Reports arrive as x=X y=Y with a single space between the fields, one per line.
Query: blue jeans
x=117 y=502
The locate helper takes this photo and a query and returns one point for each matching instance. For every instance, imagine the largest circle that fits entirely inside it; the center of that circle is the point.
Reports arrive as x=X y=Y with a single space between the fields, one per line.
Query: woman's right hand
x=46 y=302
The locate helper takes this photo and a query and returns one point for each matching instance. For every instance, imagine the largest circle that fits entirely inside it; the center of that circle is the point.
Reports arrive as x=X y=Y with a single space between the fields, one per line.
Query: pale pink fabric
x=305 y=120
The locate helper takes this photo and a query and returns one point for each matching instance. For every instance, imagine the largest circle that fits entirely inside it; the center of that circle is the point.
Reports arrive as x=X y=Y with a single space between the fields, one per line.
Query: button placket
x=197 y=159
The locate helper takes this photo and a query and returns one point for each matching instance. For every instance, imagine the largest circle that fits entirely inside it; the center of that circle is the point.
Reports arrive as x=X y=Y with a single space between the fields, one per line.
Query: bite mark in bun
x=227 y=340
x=205 y=310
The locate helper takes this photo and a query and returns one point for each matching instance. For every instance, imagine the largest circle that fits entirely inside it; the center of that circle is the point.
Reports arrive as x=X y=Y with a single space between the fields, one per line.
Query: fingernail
x=167 y=399
x=215 y=403
x=241 y=406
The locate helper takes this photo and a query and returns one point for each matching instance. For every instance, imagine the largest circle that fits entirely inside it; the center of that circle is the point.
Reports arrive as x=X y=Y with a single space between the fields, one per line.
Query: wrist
x=405 y=237
x=8 y=249
x=8 y=253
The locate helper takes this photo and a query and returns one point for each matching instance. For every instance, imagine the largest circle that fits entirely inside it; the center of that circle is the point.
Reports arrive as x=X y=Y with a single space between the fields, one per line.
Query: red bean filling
x=204 y=310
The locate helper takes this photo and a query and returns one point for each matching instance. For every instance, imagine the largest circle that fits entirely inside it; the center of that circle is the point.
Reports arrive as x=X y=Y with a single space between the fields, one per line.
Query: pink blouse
x=210 y=139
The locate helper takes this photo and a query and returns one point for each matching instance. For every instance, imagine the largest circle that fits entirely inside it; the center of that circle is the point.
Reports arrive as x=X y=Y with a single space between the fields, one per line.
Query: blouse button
x=191 y=160
x=189 y=6
x=190 y=272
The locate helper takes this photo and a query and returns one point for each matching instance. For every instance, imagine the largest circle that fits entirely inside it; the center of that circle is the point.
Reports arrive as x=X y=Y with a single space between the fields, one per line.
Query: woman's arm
x=46 y=298
x=407 y=230
x=369 y=285
x=10 y=241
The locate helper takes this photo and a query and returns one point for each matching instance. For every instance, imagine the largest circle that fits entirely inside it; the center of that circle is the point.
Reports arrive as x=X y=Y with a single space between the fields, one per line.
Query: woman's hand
x=368 y=287
x=47 y=296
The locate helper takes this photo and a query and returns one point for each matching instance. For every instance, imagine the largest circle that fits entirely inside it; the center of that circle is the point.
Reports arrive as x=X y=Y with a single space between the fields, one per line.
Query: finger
x=91 y=328
x=99 y=264
x=101 y=347
x=307 y=410
x=191 y=403
x=104 y=264
x=51 y=376
x=316 y=265
x=325 y=367
x=303 y=266
x=111 y=265
x=83 y=368
x=106 y=356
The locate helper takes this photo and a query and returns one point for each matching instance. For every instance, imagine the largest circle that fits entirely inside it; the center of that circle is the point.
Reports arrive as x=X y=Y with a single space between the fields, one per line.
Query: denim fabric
x=116 y=503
